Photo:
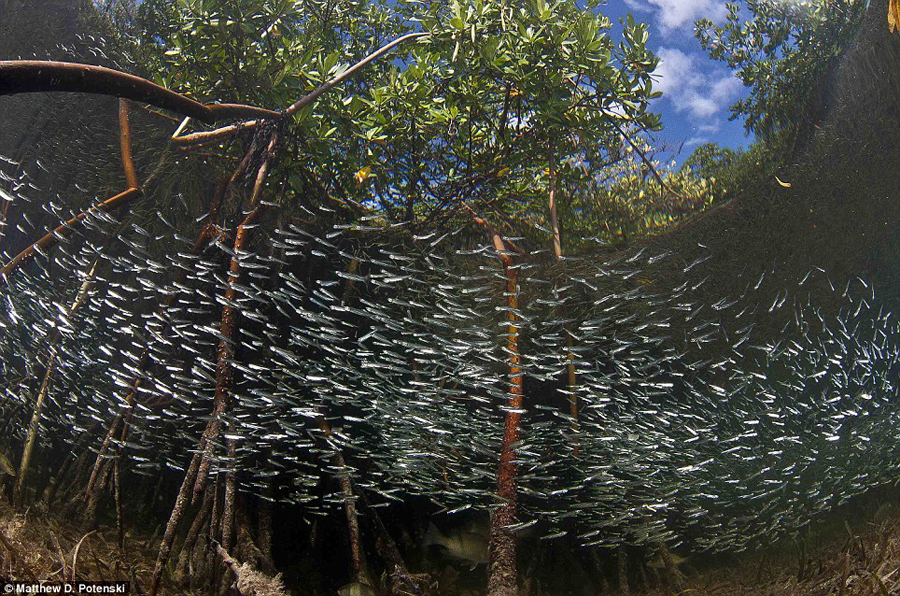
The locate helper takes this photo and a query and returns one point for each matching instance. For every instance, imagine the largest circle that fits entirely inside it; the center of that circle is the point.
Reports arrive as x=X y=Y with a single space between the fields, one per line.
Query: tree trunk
x=502 y=565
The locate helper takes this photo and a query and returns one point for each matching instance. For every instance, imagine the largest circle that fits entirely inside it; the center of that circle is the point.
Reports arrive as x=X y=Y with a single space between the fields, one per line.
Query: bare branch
x=642 y=155
x=212 y=135
x=325 y=87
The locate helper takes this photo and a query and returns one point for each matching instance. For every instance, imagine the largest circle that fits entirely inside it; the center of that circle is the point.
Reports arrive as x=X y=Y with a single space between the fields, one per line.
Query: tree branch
x=309 y=99
x=642 y=155
x=327 y=86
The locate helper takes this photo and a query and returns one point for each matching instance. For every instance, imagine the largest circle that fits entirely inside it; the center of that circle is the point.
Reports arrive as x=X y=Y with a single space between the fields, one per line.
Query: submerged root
x=182 y=568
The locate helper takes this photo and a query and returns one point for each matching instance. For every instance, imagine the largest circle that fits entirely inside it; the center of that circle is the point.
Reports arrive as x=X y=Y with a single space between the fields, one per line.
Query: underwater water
x=203 y=357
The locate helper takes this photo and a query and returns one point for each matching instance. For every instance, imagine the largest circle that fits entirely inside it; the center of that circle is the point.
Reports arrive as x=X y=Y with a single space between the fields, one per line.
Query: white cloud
x=694 y=141
x=699 y=94
x=674 y=14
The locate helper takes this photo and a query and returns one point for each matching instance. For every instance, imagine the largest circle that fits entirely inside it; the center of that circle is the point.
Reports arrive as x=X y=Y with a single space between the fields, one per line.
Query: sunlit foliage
x=476 y=114
x=784 y=52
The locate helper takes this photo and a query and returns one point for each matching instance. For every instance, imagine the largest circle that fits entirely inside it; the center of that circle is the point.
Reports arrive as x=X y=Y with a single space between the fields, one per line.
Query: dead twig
x=62 y=557
x=845 y=574
x=75 y=555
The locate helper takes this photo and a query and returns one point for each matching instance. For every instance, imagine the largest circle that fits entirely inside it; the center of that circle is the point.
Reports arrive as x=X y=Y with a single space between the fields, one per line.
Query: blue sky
x=697 y=91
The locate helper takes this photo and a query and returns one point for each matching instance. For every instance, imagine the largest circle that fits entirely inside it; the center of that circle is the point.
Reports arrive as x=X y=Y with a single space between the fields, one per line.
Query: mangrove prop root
x=34 y=425
x=98 y=464
x=245 y=545
x=22 y=76
x=502 y=574
x=225 y=351
x=215 y=534
x=675 y=575
x=573 y=396
x=181 y=569
x=51 y=238
x=360 y=573
x=845 y=574
x=37 y=76
x=120 y=200
x=65 y=484
x=502 y=579
x=192 y=480
x=401 y=580
x=528 y=582
x=359 y=569
x=181 y=502
x=570 y=355
x=131 y=178
x=199 y=243
x=230 y=489
x=19 y=487
x=120 y=527
x=30 y=76
x=622 y=568
x=53 y=485
x=228 y=518
x=93 y=500
x=601 y=576
x=31 y=436
x=264 y=532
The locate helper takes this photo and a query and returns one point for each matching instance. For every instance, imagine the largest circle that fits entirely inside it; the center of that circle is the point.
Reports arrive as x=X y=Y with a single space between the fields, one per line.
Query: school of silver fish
x=402 y=345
